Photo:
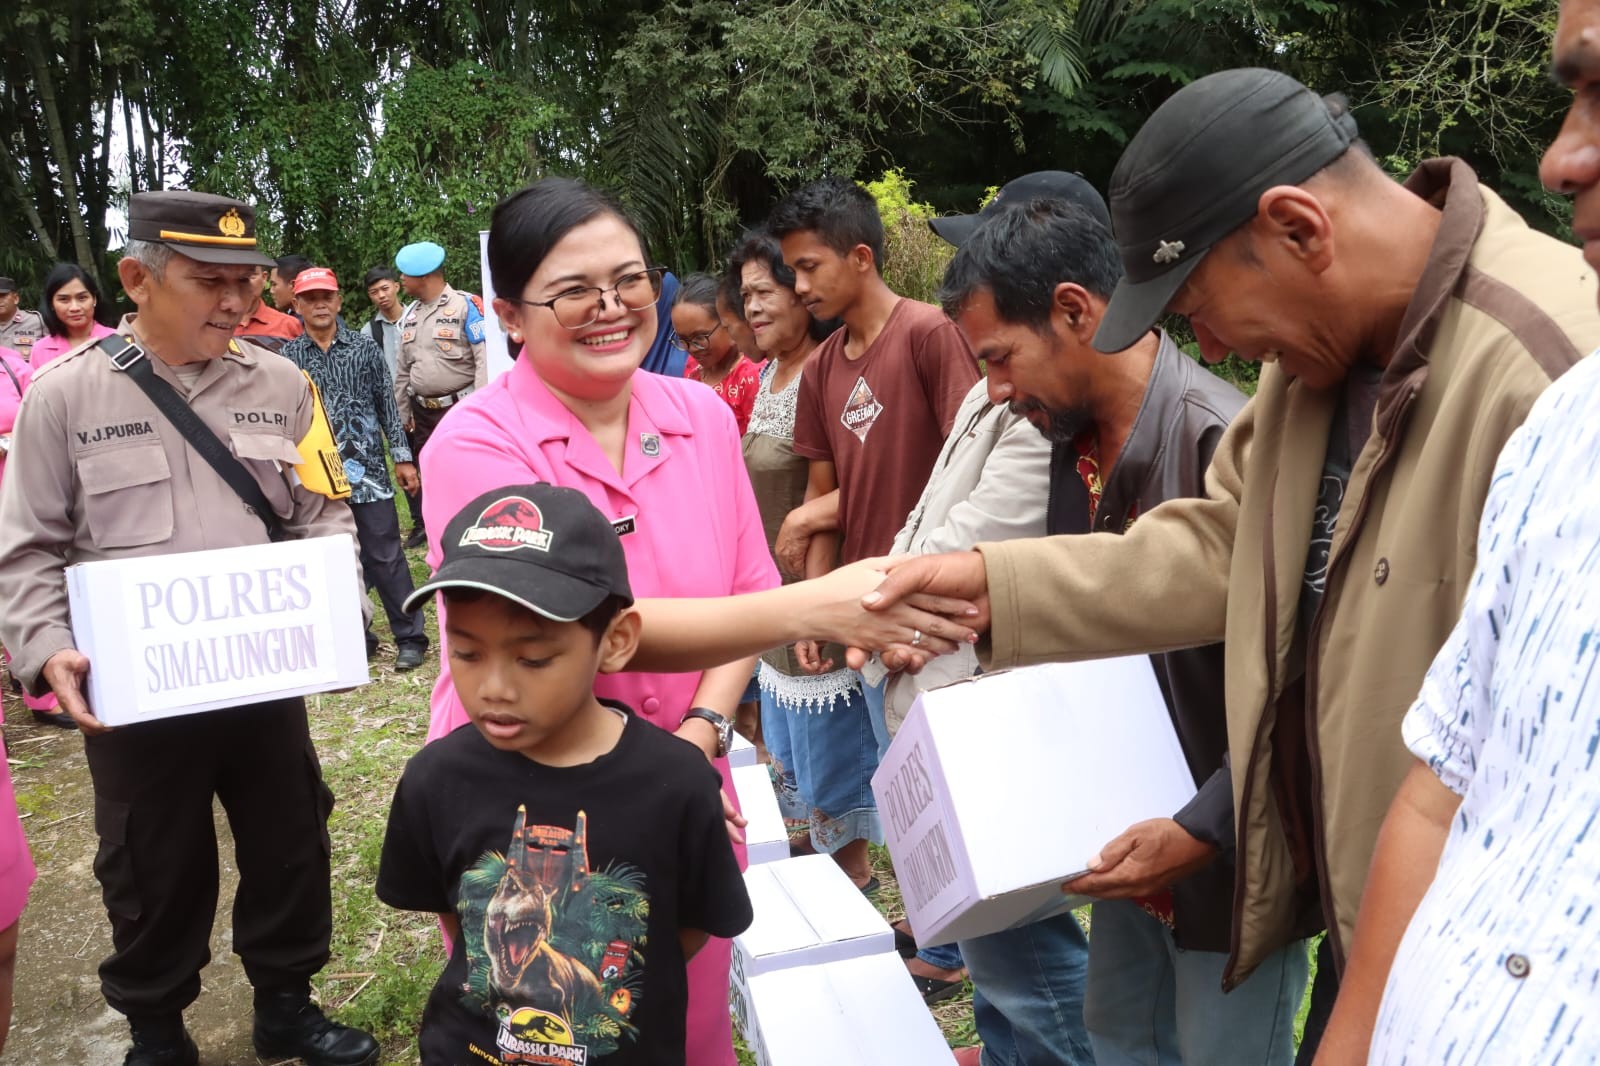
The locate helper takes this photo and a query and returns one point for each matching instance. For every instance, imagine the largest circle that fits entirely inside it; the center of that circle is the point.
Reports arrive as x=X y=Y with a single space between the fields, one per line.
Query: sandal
x=933 y=990
x=872 y=886
x=59 y=719
x=905 y=945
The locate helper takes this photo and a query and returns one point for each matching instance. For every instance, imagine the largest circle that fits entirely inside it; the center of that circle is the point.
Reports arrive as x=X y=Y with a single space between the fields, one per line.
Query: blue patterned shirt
x=1501 y=962
x=359 y=396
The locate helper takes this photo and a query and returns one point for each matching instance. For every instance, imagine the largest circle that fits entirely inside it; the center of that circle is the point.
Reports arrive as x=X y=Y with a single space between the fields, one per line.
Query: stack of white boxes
x=816 y=977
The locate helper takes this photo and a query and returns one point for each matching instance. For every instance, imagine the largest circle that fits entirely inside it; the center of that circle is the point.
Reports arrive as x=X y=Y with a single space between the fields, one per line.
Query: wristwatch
x=723 y=727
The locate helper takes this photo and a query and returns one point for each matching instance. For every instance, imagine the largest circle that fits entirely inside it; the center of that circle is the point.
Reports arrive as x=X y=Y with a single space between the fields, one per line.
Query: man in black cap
x=109 y=476
x=1028 y=290
x=18 y=329
x=1405 y=331
x=1040 y=185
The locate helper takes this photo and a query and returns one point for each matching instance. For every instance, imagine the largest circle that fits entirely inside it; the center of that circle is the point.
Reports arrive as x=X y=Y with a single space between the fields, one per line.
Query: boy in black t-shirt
x=575 y=854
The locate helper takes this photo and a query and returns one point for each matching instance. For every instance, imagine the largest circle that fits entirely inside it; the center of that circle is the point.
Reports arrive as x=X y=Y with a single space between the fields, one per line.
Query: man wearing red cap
x=349 y=369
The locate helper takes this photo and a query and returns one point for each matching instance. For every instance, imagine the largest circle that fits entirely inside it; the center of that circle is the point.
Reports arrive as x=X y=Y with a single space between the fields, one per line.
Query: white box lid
x=808 y=910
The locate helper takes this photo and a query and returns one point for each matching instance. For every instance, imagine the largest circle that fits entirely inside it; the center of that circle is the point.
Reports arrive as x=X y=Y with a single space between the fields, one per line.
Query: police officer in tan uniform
x=441 y=357
x=18 y=329
x=105 y=475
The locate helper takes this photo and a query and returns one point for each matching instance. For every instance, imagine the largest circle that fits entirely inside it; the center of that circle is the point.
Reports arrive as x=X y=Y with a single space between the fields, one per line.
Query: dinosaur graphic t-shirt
x=571 y=885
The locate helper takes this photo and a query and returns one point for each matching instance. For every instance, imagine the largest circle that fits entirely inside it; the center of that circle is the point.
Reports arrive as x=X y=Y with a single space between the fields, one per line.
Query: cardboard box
x=741 y=752
x=850 y=1012
x=196 y=631
x=998 y=789
x=807 y=910
x=765 y=837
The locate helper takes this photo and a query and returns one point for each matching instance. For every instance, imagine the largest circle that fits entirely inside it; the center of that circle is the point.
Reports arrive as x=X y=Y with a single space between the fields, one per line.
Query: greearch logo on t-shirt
x=507 y=524
x=861 y=410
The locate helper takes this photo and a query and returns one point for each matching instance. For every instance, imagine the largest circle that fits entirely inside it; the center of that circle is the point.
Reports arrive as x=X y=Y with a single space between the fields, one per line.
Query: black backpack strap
x=129 y=358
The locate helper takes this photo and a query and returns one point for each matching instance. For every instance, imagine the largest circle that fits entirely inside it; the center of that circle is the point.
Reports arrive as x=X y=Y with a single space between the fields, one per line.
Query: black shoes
x=418 y=538
x=409 y=657
x=59 y=719
x=161 y=1041
x=289 y=1025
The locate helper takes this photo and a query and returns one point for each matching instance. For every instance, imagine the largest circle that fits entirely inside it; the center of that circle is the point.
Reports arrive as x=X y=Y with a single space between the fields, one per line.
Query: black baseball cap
x=7 y=285
x=542 y=546
x=1195 y=172
x=1040 y=185
x=211 y=229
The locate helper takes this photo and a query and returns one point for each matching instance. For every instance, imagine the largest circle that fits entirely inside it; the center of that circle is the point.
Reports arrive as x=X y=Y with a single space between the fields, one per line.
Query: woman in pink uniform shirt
x=70 y=299
x=659 y=456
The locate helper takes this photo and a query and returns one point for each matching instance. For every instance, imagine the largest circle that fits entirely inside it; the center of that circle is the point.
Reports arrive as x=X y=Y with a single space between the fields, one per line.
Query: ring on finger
x=916 y=638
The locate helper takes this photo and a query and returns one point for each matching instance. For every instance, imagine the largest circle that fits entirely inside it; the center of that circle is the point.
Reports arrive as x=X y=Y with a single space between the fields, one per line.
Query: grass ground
x=384 y=961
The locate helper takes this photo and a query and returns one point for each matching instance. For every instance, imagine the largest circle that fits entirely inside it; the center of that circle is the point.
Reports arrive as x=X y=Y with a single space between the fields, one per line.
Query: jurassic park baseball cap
x=544 y=547
x=315 y=279
x=1040 y=185
x=1195 y=172
x=212 y=229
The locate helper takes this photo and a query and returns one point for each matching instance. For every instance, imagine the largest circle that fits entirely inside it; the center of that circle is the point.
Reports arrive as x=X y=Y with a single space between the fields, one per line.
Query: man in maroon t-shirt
x=876 y=399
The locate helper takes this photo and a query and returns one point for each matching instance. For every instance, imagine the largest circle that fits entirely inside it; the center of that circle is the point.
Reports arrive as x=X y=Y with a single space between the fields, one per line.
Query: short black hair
x=377 y=274
x=841 y=213
x=699 y=289
x=1023 y=252
x=290 y=266
x=532 y=220
x=61 y=275
x=596 y=621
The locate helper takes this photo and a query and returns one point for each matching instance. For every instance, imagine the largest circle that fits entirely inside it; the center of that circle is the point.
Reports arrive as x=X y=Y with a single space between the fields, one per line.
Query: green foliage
x=914 y=257
x=455 y=141
x=359 y=125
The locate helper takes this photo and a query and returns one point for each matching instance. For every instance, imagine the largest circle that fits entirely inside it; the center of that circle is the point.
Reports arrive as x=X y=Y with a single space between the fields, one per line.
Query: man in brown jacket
x=104 y=474
x=1405 y=332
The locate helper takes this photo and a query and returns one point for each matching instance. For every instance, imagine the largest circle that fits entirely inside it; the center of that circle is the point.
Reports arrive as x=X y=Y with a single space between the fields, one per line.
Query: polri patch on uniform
x=623 y=526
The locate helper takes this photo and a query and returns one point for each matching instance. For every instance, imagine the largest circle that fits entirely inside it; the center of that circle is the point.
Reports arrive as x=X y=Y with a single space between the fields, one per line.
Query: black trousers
x=424 y=421
x=383 y=564
x=157 y=862
x=414 y=502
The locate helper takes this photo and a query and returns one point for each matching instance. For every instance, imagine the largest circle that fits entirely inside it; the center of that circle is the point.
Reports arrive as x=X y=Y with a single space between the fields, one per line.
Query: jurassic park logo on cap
x=507 y=525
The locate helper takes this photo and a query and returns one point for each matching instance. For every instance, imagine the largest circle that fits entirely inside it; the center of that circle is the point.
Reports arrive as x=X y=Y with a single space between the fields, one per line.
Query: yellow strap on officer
x=321 y=470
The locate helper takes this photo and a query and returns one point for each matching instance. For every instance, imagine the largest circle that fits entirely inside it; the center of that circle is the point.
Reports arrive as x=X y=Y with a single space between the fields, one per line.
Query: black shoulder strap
x=375 y=329
x=129 y=358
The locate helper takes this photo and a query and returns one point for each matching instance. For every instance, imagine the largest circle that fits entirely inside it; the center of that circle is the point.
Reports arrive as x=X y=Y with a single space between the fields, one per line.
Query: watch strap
x=722 y=725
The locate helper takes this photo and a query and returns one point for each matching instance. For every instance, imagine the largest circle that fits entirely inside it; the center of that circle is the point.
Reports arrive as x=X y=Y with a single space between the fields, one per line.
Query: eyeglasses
x=577 y=308
x=695 y=342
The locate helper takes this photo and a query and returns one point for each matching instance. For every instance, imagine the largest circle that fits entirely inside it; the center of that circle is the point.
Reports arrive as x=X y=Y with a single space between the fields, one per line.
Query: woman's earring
x=515 y=336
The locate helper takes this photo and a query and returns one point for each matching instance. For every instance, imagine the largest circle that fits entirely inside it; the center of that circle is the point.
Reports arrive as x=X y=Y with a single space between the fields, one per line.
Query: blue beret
x=418 y=259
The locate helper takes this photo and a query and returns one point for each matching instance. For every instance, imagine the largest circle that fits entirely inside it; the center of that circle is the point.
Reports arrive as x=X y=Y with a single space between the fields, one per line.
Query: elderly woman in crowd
x=816 y=753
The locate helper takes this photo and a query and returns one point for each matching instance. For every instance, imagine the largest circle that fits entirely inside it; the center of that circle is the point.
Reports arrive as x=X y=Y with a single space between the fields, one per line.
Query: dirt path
x=59 y=1015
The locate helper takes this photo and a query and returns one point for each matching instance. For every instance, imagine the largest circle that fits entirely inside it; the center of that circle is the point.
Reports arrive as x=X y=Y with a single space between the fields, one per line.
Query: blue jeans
x=1151 y=1003
x=1028 y=993
x=823 y=762
x=875 y=714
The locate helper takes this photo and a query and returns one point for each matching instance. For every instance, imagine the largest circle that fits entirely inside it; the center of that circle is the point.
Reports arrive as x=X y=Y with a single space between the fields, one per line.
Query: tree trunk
x=29 y=209
x=58 y=144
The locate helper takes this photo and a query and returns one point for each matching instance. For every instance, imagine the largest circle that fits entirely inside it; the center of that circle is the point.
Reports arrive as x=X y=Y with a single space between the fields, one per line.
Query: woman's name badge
x=650 y=444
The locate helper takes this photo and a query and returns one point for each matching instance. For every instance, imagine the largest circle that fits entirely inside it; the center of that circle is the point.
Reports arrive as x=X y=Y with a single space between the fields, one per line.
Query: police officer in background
x=18 y=329
x=441 y=358
x=106 y=475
